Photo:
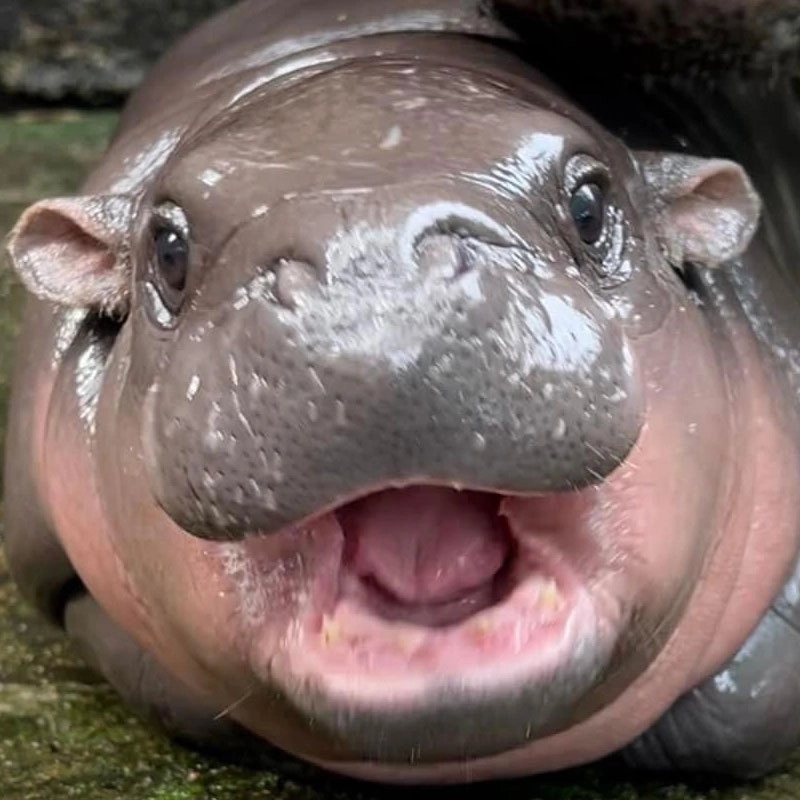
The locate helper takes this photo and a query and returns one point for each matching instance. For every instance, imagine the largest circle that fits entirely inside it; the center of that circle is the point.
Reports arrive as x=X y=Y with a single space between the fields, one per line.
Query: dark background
x=96 y=51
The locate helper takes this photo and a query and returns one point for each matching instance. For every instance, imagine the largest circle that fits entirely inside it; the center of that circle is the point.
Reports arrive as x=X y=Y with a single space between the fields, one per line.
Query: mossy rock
x=94 y=50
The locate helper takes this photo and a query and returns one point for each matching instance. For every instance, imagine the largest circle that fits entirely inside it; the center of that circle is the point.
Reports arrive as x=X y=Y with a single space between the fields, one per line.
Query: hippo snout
x=445 y=354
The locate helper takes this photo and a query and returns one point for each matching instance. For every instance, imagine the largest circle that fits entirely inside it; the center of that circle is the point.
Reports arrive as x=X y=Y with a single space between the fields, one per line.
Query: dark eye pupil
x=587 y=207
x=172 y=253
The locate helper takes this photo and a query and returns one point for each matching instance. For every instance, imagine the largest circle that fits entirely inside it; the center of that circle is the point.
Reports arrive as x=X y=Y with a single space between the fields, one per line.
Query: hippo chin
x=380 y=403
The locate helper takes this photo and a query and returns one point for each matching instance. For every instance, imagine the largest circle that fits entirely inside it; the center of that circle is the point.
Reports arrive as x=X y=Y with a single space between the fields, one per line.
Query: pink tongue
x=425 y=544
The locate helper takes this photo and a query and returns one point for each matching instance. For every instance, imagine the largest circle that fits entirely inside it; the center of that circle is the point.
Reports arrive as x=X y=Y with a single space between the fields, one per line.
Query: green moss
x=63 y=734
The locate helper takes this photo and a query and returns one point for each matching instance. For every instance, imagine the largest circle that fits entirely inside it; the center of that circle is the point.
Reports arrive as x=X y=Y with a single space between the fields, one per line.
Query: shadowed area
x=63 y=733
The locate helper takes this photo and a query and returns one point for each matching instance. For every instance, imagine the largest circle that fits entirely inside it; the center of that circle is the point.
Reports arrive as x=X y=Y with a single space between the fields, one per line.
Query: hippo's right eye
x=169 y=271
x=172 y=257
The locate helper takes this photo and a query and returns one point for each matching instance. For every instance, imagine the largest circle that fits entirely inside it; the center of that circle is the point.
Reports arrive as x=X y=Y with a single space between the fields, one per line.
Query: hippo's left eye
x=588 y=209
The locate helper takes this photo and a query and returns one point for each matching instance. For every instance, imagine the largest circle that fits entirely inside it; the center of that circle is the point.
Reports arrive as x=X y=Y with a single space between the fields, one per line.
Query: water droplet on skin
x=211 y=177
x=172 y=428
x=214 y=440
x=341 y=413
x=313 y=411
x=392 y=139
x=479 y=442
x=560 y=430
x=233 y=370
x=277 y=467
x=194 y=385
x=725 y=683
x=316 y=380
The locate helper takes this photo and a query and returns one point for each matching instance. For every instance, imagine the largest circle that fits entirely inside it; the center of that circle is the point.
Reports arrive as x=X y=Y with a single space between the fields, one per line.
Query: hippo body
x=381 y=404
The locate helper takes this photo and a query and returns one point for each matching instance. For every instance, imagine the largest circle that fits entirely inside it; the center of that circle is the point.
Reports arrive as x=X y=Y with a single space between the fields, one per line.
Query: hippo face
x=412 y=444
x=420 y=299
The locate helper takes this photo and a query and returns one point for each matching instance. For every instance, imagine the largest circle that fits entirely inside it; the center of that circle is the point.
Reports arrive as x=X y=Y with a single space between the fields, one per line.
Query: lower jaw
x=394 y=694
x=528 y=629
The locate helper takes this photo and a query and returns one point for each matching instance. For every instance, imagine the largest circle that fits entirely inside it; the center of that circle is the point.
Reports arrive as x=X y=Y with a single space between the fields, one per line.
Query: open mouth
x=433 y=585
x=426 y=556
x=436 y=558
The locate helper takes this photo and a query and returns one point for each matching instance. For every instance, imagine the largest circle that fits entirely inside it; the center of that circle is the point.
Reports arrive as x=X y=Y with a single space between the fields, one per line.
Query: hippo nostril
x=292 y=279
x=444 y=255
x=447 y=238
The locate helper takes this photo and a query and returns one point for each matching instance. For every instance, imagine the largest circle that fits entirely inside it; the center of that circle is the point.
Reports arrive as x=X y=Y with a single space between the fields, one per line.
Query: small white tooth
x=481 y=628
x=549 y=596
x=331 y=632
x=408 y=642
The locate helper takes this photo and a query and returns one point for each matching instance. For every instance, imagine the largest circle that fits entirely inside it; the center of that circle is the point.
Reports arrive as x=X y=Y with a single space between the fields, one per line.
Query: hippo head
x=412 y=442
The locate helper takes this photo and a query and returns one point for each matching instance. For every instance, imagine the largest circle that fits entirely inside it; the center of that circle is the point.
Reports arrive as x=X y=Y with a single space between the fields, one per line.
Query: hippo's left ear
x=708 y=209
x=73 y=251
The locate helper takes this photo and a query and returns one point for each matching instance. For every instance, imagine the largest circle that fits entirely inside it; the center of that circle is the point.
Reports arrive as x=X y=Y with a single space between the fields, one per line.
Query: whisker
x=233 y=706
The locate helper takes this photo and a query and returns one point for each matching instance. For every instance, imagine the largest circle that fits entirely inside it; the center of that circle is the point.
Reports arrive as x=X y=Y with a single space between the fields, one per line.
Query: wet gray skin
x=342 y=252
x=406 y=311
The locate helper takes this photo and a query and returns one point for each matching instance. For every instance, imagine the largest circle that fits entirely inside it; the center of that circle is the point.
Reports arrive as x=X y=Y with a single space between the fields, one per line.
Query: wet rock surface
x=95 y=50
x=64 y=734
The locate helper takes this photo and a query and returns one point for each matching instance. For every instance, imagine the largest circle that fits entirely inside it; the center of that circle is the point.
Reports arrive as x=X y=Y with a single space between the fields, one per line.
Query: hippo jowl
x=379 y=396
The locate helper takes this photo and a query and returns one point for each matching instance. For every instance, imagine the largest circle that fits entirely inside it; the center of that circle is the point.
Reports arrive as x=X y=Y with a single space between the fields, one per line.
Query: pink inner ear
x=66 y=251
x=717 y=216
x=720 y=184
x=707 y=229
x=50 y=229
x=708 y=209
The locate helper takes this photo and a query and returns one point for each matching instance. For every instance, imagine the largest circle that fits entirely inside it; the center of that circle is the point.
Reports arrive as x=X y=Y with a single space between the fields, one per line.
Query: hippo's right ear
x=74 y=251
x=707 y=209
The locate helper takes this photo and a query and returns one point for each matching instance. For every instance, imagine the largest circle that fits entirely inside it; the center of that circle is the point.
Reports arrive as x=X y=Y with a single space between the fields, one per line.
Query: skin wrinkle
x=753 y=523
x=143 y=612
